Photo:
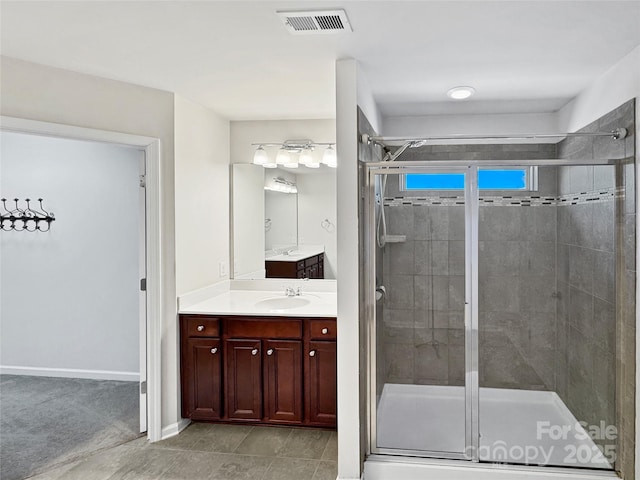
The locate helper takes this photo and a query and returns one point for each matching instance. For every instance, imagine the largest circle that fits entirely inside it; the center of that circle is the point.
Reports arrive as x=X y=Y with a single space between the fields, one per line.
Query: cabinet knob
x=200 y=328
x=312 y=353
x=325 y=331
x=214 y=350
x=270 y=351
x=254 y=351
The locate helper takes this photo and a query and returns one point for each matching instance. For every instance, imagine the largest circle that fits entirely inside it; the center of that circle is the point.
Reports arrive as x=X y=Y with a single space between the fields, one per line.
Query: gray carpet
x=46 y=421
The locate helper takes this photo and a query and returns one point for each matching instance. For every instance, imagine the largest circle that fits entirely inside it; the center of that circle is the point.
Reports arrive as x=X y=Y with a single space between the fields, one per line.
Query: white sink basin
x=283 y=303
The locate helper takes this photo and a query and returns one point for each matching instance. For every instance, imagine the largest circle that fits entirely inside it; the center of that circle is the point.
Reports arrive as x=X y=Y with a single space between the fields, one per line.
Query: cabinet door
x=283 y=380
x=243 y=379
x=201 y=383
x=321 y=383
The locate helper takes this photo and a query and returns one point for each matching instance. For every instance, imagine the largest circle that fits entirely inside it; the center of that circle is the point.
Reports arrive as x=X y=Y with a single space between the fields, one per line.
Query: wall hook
x=29 y=218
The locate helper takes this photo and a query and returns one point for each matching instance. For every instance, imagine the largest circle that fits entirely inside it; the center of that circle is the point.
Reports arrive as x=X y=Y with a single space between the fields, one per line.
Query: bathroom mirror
x=281 y=220
x=268 y=218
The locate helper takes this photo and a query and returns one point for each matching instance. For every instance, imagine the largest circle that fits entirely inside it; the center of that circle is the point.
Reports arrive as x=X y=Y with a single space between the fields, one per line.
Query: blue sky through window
x=512 y=179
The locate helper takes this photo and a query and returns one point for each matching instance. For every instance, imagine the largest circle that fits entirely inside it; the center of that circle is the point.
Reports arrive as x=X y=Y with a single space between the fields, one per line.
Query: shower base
x=516 y=426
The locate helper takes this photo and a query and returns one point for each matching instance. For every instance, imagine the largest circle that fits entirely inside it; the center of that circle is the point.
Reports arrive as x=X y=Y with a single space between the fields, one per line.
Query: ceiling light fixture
x=460 y=93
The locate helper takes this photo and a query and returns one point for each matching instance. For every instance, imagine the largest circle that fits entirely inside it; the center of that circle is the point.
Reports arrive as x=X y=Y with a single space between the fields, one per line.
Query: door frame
x=149 y=343
x=470 y=313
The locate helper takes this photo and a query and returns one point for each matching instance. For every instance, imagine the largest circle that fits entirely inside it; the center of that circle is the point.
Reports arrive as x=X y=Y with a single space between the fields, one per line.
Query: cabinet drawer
x=300 y=265
x=322 y=329
x=263 y=328
x=201 y=326
x=311 y=261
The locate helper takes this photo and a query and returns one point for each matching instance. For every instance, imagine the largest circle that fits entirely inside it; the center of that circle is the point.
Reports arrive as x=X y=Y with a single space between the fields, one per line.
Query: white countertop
x=246 y=302
x=298 y=254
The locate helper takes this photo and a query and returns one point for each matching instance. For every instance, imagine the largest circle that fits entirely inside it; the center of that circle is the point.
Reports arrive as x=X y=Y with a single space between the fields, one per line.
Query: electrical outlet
x=223 y=268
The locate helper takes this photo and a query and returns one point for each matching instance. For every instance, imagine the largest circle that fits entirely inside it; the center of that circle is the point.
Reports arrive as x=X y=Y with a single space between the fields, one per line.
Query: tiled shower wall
x=595 y=355
x=424 y=277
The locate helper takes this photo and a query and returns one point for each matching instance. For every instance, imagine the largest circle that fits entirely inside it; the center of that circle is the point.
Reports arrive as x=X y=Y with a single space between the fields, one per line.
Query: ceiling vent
x=316 y=22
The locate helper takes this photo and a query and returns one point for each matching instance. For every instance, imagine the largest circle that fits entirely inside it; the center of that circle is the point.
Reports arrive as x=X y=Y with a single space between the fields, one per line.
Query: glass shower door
x=422 y=374
x=547 y=326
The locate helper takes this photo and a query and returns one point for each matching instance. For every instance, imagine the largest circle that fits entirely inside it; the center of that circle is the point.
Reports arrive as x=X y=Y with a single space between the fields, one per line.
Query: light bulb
x=305 y=157
x=260 y=157
x=329 y=158
x=283 y=157
x=270 y=165
x=291 y=164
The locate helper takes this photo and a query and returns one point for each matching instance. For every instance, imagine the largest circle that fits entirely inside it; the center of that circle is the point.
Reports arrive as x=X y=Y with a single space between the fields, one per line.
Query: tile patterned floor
x=213 y=452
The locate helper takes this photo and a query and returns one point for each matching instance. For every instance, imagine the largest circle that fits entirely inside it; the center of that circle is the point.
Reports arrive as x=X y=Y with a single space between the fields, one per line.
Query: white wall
x=350 y=425
x=69 y=297
x=47 y=94
x=614 y=87
x=317 y=202
x=282 y=211
x=248 y=221
x=471 y=125
x=202 y=196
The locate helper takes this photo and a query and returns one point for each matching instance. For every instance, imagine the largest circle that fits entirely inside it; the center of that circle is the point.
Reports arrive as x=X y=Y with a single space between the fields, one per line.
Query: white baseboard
x=70 y=373
x=174 y=429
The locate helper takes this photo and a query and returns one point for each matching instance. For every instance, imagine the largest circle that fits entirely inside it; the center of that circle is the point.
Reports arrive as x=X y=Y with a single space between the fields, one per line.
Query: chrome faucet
x=290 y=292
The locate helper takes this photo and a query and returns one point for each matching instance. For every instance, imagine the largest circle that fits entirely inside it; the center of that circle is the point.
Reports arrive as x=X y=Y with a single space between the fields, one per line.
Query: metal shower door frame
x=472 y=387
x=470 y=307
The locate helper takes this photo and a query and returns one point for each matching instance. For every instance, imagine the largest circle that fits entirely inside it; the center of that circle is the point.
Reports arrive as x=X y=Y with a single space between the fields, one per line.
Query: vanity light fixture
x=329 y=157
x=314 y=163
x=460 y=93
x=260 y=157
x=293 y=153
x=279 y=184
x=270 y=165
x=283 y=157
x=305 y=157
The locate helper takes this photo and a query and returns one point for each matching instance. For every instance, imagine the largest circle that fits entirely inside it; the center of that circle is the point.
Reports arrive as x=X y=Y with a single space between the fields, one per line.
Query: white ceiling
x=237 y=58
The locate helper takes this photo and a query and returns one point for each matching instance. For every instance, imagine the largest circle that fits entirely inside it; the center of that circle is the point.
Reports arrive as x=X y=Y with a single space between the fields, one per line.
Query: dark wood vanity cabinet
x=283 y=381
x=311 y=267
x=320 y=372
x=243 y=379
x=201 y=374
x=264 y=370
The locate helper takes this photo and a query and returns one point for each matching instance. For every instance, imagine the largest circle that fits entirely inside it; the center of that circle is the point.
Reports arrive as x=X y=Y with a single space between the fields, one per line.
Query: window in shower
x=522 y=178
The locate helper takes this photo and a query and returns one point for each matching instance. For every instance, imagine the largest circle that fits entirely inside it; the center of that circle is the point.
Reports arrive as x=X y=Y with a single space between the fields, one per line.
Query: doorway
x=74 y=319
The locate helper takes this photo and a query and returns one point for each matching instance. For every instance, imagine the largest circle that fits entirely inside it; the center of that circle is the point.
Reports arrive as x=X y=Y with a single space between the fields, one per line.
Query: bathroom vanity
x=260 y=364
x=305 y=265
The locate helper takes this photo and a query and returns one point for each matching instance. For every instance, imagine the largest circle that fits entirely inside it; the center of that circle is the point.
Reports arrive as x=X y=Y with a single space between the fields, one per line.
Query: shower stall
x=497 y=321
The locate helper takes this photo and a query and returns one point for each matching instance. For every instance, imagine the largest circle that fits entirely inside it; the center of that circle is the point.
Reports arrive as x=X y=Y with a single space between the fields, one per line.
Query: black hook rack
x=29 y=219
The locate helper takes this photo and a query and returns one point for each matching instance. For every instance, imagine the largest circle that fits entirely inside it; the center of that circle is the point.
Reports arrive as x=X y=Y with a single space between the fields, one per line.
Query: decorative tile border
x=594 y=196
